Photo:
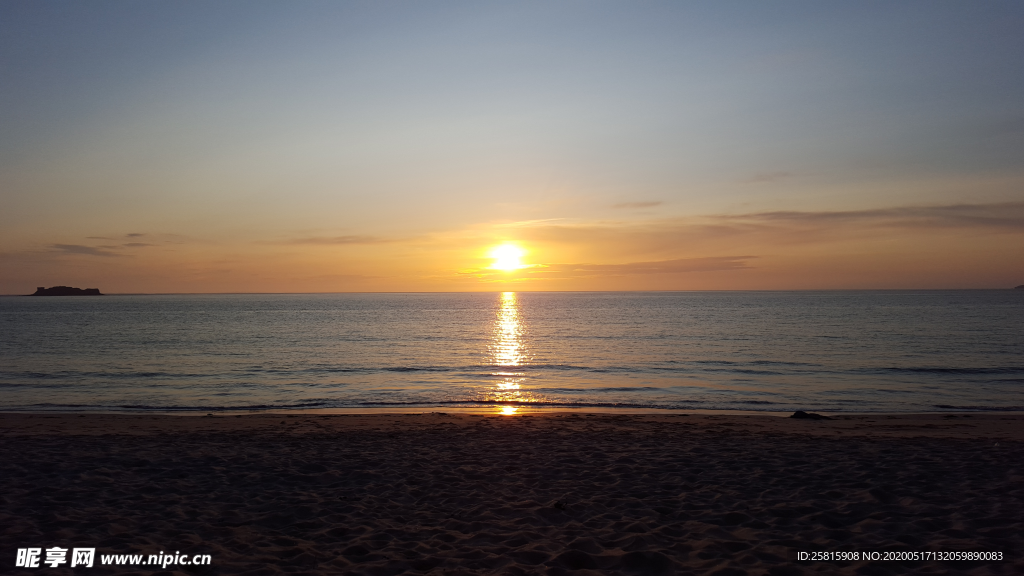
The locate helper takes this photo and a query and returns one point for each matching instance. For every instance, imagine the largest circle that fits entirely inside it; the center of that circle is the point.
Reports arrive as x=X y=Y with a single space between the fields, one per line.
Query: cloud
x=768 y=233
x=529 y=223
x=79 y=249
x=631 y=205
x=136 y=244
x=676 y=266
x=769 y=177
x=334 y=240
x=1008 y=215
x=134 y=234
x=690 y=230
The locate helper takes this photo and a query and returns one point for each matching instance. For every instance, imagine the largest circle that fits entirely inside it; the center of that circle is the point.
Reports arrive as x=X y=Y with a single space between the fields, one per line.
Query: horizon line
x=532 y=291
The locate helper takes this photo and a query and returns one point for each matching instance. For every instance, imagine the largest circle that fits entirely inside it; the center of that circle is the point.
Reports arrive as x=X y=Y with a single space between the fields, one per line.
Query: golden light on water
x=508 y=353
x=507 y=257
x=508 y=338
x=509 y=384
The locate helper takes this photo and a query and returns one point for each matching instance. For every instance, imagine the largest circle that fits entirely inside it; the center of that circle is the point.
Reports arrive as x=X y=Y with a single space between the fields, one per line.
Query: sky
x=184 y=147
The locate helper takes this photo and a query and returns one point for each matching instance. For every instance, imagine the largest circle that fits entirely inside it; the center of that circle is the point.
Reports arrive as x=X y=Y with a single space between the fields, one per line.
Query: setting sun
x=507 y=257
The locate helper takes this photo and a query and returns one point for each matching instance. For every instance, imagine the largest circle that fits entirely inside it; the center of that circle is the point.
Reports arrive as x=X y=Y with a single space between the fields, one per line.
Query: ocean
x=833 y=351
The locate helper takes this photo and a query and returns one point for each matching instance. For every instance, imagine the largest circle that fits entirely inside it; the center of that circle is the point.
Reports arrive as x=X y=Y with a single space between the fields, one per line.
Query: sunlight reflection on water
x=507 y=347
x=508 y=351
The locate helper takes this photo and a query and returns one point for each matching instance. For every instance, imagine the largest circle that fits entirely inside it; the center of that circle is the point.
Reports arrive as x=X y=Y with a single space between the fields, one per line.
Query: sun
x=506 y=257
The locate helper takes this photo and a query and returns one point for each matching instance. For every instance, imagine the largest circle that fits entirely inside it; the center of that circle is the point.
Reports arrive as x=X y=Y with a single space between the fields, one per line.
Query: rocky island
x=1021 y=287
x=66 y=291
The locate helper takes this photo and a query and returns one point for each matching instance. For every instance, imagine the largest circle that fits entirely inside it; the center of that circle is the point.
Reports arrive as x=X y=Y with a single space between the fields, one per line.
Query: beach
x=542 y=493
x=511 y=288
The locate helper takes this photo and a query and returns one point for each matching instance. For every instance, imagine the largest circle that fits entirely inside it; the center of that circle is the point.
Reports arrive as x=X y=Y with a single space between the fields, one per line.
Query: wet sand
x=537 y=494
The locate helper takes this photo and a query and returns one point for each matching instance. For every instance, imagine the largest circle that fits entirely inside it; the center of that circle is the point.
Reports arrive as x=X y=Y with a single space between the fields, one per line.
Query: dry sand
x=540 y=494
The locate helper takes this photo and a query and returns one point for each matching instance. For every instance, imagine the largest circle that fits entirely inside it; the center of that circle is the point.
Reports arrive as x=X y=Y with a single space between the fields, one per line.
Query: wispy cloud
x=136 y=244
x=687 y=230
x=79 y=249
x=334 y=240
x=768 y=233
x=528 y=223
x=1009 y=215
x=567 y=271
x=134 y=234
x=676 y=266
x=632 y=205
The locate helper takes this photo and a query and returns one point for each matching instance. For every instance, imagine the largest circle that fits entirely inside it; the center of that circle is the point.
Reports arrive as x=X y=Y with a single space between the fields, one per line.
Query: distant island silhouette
x=1021 y=287
x=66 y=291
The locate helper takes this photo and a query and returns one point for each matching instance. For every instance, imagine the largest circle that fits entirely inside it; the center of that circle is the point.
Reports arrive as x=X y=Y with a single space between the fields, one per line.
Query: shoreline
x=960 y=425
x=496 y=409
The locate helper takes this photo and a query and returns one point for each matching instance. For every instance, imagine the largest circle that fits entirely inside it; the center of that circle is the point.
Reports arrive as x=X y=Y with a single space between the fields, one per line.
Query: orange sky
x=298 y=147
x=957 y=246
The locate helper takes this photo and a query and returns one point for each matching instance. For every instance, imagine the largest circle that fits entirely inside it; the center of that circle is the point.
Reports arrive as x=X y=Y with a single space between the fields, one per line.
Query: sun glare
x=507 y=257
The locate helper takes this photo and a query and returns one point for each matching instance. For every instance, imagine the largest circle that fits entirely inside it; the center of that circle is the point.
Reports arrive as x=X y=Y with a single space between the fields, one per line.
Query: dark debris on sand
x=809 y=415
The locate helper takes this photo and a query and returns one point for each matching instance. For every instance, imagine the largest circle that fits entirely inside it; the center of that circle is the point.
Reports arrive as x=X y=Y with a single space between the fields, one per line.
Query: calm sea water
x=771 y=351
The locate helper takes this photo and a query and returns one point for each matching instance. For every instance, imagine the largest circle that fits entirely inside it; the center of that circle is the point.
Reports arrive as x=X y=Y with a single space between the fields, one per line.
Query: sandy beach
x=532 y=494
